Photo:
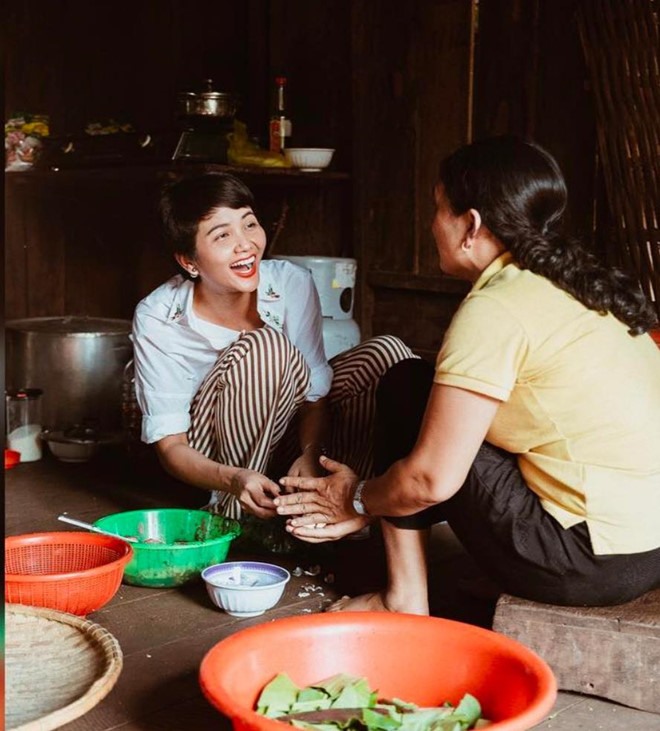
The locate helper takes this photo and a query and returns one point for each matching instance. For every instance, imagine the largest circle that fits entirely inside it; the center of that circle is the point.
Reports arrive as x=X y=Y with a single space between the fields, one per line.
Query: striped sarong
x=245 y=410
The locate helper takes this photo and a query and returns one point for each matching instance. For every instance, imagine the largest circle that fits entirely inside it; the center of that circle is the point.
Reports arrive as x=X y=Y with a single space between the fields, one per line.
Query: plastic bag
x=243 y=152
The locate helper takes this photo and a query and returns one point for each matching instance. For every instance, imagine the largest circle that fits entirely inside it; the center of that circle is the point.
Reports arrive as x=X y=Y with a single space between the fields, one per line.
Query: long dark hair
x=186 y=202
x=520 y=193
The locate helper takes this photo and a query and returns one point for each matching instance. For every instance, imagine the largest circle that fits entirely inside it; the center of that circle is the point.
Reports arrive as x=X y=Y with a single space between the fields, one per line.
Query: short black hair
x=186 y=202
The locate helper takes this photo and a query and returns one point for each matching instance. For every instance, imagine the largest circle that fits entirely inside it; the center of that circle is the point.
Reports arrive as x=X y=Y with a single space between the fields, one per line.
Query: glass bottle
x=280 y=123
x=24 y=423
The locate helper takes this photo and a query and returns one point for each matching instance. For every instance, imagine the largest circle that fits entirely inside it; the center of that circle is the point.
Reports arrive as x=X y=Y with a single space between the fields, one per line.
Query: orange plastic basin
x=424 y=660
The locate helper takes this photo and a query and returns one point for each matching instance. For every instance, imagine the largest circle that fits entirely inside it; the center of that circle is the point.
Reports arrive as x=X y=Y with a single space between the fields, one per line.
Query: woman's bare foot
x=363 y=603
x=377 y=602
x=407 y=587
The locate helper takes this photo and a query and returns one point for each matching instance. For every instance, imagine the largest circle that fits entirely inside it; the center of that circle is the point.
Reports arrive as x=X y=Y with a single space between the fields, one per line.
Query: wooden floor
x=164 y=634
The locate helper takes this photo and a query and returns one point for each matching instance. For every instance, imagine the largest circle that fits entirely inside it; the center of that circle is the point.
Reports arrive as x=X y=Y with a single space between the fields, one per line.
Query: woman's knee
x=381 y=352
x=269 y=348
x=388 y=349
x=407 y=384
x=266 y=340
x=267 y=358
x=401 y=399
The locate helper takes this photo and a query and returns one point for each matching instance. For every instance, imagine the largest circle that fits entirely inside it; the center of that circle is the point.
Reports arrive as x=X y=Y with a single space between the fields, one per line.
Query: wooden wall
x=428 y=77
x=392 y=87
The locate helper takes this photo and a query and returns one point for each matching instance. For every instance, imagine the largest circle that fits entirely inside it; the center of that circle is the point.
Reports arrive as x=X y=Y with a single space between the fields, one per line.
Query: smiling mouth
x=245 y=267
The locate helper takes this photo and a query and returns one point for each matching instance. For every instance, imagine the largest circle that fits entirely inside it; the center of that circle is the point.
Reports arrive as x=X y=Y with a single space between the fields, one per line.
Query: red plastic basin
x=424 y=660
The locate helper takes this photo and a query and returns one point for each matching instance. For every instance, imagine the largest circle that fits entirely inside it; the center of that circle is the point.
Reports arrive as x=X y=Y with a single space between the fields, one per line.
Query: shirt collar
x=495 y=267
x=268 y=291
x=181 y=306
x=182 y=302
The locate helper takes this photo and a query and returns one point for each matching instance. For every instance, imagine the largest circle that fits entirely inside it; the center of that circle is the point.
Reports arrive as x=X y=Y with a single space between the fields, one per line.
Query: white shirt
x=175 y=349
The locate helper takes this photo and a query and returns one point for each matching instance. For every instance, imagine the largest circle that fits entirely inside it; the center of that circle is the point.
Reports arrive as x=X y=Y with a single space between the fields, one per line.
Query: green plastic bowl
x=174 y=545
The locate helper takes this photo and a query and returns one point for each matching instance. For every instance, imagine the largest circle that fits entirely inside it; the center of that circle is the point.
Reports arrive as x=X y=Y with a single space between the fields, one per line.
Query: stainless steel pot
x=207 y=103
x=77 y=361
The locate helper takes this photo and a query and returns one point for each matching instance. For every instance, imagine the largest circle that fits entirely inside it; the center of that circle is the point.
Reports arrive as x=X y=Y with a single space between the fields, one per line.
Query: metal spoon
x=94 y=529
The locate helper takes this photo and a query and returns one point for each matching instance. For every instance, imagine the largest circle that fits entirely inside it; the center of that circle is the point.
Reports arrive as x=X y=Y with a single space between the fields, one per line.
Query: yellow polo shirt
x=580 y=401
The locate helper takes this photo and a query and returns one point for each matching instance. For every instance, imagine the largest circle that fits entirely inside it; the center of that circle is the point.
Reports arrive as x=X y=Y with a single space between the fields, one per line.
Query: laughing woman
x=230 y=371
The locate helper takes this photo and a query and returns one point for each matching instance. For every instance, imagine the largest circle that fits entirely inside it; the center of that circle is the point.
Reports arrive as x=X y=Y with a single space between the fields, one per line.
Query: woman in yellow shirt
x=537 y=434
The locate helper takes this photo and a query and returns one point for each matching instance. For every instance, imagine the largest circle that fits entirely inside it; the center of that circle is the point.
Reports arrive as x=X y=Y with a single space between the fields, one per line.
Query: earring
x=193 y=273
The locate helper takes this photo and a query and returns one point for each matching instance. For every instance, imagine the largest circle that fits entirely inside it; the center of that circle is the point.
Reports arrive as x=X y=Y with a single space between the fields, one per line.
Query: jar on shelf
x=24 y=427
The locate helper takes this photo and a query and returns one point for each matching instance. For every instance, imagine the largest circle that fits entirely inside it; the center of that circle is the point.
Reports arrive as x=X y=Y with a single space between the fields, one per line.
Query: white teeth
x=244 y=263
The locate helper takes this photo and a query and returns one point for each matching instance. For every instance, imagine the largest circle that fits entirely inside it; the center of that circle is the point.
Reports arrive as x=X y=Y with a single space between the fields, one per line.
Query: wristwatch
x=358 y=505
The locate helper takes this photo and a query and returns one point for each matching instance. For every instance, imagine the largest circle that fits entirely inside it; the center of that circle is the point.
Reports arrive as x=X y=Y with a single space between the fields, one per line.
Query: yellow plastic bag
x=243 y=152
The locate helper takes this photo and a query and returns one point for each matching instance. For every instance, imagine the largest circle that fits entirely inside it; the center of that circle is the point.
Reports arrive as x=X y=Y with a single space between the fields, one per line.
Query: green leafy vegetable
x=379 y=721
x=343 y=702
x=468 y=711
x=278 y=696
x=310 y=693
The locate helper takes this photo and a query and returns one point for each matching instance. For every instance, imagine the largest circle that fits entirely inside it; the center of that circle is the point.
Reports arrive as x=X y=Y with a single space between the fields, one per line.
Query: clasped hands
x=255 y=491
x=321 y=509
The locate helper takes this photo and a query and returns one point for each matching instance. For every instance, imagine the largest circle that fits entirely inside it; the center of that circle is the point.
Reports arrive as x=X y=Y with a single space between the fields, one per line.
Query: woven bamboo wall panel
x=621 y=41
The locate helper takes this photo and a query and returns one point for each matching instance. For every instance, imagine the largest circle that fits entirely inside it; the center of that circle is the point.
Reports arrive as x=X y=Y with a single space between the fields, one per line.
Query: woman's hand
x=320 y=533
x=255 y=492
x=325 y=500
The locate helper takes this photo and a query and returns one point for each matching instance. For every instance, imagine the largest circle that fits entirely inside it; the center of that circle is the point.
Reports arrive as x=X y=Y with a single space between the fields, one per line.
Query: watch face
x=358 y=505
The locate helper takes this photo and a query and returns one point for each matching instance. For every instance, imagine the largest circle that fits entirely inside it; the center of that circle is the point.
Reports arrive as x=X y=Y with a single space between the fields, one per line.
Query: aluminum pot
x=207 y=103
x=78 y=362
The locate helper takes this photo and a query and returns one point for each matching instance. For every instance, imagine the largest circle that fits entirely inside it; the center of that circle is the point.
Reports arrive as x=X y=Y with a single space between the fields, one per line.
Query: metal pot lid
x=208 y=92
x=71 y=325
x=216 y=95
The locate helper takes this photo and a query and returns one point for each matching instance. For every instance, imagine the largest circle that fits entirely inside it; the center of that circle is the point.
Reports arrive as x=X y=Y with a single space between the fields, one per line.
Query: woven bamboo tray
x=57 y=667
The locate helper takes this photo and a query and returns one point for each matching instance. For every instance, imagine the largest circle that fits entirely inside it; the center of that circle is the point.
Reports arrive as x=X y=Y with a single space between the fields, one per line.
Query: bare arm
x=454 y=426
x=254 y=491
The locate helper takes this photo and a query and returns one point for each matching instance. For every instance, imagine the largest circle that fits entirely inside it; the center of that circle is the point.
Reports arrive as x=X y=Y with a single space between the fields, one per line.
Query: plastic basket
x=69 y=571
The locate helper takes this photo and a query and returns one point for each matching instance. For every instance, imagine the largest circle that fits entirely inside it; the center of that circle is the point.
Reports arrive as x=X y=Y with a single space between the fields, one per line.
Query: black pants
x=500 y=521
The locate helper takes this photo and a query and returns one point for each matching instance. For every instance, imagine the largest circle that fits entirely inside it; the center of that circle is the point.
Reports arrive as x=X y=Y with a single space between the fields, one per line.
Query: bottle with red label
x=280 y=123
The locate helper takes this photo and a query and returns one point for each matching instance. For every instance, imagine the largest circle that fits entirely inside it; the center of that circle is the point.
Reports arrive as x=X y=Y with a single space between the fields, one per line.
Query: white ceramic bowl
x=309 y=159
x=70 y=450
x=245 y=588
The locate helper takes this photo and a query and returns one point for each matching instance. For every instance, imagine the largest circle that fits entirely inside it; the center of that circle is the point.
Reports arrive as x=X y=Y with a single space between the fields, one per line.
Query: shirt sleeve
x=483 y=350
x=164 y=386
x=304 y=327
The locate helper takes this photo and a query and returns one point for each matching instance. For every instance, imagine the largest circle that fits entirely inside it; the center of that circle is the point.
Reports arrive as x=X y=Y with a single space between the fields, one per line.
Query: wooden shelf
x=287 y=176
